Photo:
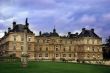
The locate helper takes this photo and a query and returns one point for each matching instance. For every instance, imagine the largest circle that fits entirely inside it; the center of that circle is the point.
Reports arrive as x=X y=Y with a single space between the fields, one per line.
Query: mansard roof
x=51 y=34
x=46 y=34
x=84 y=33
x=70 y=35
x=88 y=33
x=21 y=28
x=54 y=34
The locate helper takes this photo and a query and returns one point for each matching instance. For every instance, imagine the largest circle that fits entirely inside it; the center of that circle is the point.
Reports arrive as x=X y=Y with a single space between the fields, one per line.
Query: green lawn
x=52 y=67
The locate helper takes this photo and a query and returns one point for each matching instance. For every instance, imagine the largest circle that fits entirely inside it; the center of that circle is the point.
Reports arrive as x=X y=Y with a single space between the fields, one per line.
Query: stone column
x=24 y=55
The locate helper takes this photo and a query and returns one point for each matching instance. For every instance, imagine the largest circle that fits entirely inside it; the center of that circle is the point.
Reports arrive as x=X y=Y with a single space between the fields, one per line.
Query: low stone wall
x=98 y=62
x=107 y=62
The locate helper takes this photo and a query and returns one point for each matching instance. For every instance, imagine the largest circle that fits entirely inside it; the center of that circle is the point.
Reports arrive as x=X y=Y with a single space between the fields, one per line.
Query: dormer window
x=29 y=38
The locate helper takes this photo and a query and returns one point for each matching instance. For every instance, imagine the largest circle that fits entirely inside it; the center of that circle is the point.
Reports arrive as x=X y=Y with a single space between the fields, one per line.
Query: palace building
x=86 y=45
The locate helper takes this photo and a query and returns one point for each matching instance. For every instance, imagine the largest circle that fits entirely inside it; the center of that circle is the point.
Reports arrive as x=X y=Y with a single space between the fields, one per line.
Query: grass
x=52 y=67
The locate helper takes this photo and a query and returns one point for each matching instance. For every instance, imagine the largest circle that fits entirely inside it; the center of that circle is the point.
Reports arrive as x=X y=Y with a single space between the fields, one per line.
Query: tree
x=108 y=42
x=106 y=49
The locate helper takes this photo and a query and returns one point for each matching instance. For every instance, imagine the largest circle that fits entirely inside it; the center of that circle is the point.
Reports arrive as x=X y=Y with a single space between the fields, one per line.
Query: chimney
x=83 y=29
x=76 y=33
x=92 y=30
x=26 y=23
x=5 y=33
x=40 y=33
x=9 y=29
x=14 y=24
x=69 y=33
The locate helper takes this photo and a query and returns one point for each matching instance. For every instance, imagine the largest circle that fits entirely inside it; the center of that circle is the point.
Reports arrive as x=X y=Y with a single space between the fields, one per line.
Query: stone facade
x=12 y=41
x=76 y=47
x=51 y=46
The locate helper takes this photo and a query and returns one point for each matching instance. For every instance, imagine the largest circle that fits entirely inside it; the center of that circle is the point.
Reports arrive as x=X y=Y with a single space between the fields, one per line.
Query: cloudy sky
x=65 y=15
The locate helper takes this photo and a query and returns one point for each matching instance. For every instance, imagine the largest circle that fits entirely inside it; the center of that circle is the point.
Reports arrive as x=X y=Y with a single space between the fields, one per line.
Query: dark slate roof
x=20 y=28
x=88 y=33
x=72 y=35
x=46 y=34
x=54 y=34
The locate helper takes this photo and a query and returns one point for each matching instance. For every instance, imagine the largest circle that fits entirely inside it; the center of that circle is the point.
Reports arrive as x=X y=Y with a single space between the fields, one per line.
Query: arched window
x=85 y=41
x=95 y=41
x=90 y=41
x=88 y=48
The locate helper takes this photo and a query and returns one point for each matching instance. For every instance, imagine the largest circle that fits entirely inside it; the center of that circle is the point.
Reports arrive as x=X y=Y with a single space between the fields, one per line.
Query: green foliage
x=63 y=60
x=106 y=49
x=9 y=58
x=52 y=67
x=108 y=42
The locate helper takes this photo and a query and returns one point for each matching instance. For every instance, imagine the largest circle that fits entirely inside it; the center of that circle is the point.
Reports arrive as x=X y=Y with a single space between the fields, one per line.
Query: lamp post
x=24 y=55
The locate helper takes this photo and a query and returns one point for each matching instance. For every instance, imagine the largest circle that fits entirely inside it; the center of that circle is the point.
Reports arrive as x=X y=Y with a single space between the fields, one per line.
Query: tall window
x=46 y=48
x=88 y=48
x=95 y=41
x=56 y=55
x=63 y=49
x=40 y=55
x=38 y=41
x=14 y=38
x=21 y=47
x=40 y=49
x=14 y=47
x=90 y=41
x=69 y=55
x=46 y=55
x=70 y=42
x=56 y=49
x=43 y=41
x=64 y=55
x=69 y=48
x=22 y=39
x=60 y=41
x=98 y=50
x=88 y=55
x=29 y=47
x=47 y=41
x=93 y=49
x=85 y=41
